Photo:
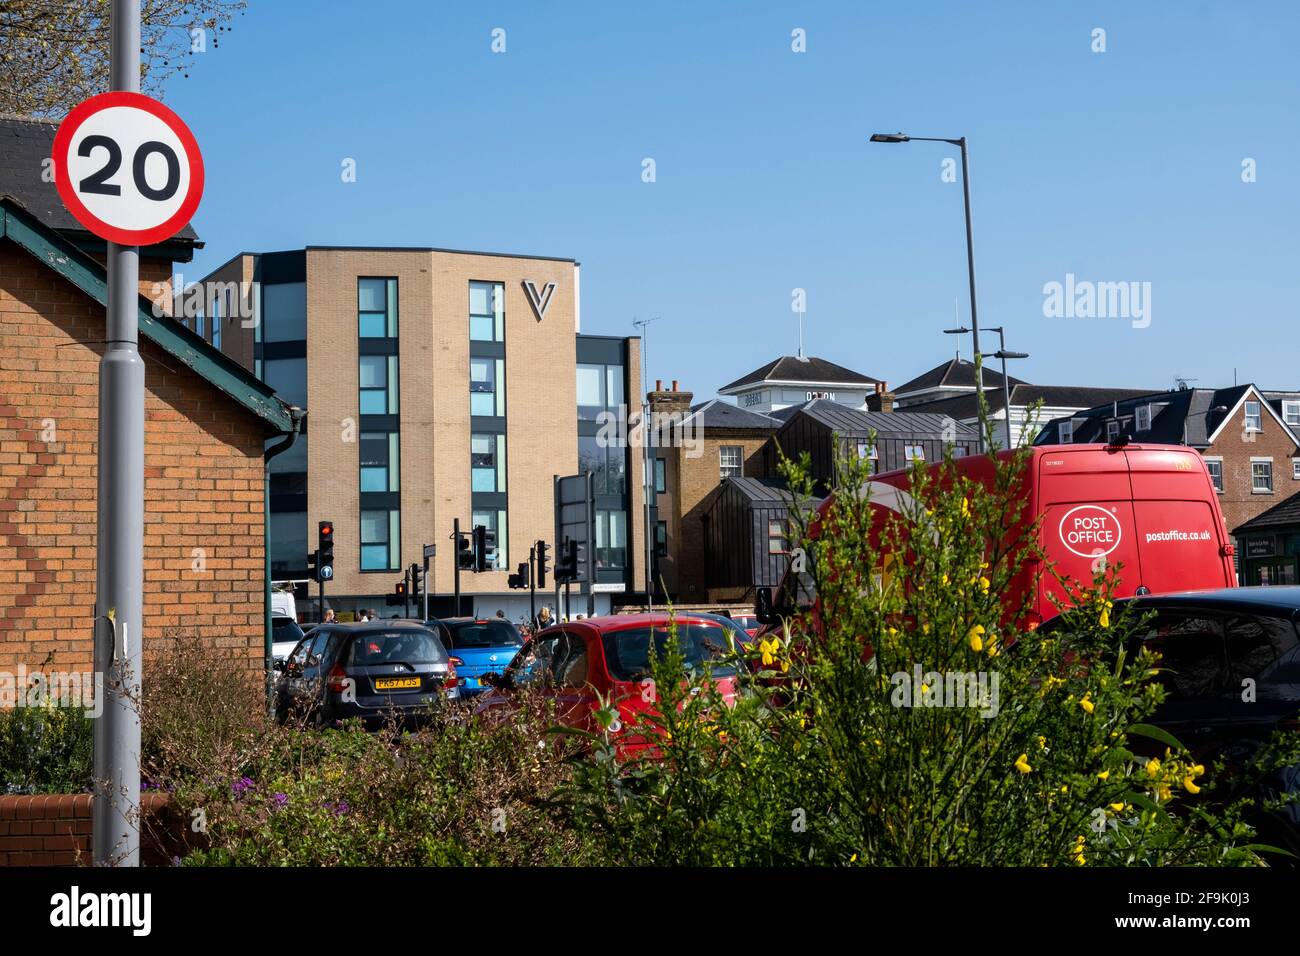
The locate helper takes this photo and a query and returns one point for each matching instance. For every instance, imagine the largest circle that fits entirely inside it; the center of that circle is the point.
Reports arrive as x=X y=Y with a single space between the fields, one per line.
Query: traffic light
x=398 y=597
x=483 y=539
x=464 y=555
x=543 y=563
x=519 y=579
x=566 y=563
x=417 y=580
x=325 y=551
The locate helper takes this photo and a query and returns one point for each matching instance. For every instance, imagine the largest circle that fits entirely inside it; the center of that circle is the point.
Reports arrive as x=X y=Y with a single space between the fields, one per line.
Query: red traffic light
x=326 y=528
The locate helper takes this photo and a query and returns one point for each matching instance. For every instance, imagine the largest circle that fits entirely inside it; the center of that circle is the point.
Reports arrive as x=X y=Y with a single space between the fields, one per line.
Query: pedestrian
x=501 y=614
x=329 y=617
x=372 y=615
x=544 y=617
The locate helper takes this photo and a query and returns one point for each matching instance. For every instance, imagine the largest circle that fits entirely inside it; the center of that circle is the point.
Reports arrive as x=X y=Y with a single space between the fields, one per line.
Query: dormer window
x=1253 y=421
x=1066 y=432
x=1143 y=423
x=1112 y=430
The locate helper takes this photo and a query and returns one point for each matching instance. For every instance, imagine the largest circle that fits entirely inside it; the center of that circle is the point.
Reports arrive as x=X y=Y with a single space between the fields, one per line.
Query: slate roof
x=25 y=144
x=716 y=413
x=1180 y=417
x=791 y=368
x=759 y=489
x=1284 y=514
x=954 y=373
x=1024 y=395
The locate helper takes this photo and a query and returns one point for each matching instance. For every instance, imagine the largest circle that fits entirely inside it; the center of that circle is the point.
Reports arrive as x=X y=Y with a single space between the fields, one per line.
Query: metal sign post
x=430 y=551
x=119 y=544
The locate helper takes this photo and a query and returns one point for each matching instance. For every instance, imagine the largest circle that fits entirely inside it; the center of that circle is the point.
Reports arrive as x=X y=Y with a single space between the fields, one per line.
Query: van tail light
x=1228 y=550
x=337 y=679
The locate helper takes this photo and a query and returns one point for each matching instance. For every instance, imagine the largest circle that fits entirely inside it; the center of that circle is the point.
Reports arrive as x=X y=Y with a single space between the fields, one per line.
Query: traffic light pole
x=532 y=584
x=119 y=538
x=455 y=537
x=320 y=589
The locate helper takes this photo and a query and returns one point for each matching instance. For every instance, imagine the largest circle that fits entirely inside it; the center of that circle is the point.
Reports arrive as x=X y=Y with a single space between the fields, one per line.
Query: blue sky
x=1117 y=166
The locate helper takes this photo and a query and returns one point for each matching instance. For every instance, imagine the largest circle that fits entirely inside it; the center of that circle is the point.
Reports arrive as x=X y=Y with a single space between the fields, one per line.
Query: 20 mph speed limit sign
x=127 y=168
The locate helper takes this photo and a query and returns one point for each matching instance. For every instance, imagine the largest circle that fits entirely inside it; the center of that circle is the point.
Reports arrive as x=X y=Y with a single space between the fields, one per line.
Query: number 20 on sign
x=128 y=168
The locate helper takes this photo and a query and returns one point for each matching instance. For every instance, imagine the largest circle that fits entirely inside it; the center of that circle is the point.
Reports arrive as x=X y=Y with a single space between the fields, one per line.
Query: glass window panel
x=289 y=378
x=372 y=295
x=590 y=392
x=480 y=328
x=614 y=385
x=290 y=461
x=374 y=479
x=374 y=557
x=284 y=310
x=393 y=387
x=374 y=402
x=374 y=371
x=373 y=325
x=481 y=403
x=374 y=527
x=288 y=533
x=480 y=298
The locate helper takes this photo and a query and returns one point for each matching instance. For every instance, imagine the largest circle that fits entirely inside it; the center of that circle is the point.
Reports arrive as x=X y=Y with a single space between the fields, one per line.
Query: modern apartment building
x=438 y=385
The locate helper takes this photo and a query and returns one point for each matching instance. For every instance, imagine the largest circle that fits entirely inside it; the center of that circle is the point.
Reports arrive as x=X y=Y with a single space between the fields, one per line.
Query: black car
x=371 y=670
x=1230 y=667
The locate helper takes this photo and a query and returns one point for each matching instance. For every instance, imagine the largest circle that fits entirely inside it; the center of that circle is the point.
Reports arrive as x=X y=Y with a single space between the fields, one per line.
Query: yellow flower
x=984 y=584
x=993 y=647
x=1189 y=786
x=1198 y=770
x=1116 y=807
x=1022 y=763
x=1087 y=705
x=943 y=579
x=1104 y=775
x=1162 y=792
x=976 y=638
x=1042 y=742
x=1077 y=851
x=769 y=649
x=965 y=508
x=1104 y=619
x=1153 y=767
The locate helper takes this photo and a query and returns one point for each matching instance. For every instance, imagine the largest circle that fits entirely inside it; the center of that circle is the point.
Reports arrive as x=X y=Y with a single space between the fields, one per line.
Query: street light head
x=890 y=138
x=1004 y=354
x=960 y=330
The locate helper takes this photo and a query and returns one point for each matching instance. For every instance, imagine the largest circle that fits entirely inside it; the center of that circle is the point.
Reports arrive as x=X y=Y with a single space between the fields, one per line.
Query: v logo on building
x=541 y=301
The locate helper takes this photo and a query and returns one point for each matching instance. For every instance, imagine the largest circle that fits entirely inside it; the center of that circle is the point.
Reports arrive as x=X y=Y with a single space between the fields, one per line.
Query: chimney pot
x=659 y=385
x=674 y=385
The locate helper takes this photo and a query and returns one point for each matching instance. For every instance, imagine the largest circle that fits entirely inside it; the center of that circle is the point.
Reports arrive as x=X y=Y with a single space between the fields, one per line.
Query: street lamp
x=1003 y=354
x=970 y=244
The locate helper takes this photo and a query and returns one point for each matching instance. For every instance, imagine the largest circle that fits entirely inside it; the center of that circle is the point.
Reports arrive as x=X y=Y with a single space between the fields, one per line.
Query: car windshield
x=481 y=634
x=627 y=652
x=396 y=647
x=285 y=629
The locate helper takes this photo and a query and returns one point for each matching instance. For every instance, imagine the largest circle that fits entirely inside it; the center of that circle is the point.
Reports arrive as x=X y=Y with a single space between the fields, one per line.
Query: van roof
x=1275 y=599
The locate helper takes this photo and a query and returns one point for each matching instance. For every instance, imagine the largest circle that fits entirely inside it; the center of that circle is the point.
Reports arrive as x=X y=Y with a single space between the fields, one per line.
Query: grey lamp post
x=1003 y=354
x=970 y=245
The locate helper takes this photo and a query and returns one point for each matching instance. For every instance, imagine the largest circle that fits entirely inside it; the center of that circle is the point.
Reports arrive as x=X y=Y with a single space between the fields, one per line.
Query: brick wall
x=203 y=486
x=55 y=830
x=1237 y=447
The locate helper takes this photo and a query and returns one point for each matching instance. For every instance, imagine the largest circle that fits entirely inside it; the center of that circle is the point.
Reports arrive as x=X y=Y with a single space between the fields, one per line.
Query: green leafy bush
x=45 y=750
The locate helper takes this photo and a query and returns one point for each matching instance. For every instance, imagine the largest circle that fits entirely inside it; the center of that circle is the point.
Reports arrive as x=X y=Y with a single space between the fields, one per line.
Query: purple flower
x=243 y=785
x=176 y=861
x=281 y=799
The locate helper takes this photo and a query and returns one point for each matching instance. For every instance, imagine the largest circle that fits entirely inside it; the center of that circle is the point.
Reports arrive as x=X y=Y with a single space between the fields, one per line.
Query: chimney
x=668 y=401
x=882 y=401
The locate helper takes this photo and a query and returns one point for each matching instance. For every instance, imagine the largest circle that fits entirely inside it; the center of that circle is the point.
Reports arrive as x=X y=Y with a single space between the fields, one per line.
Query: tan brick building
x=440 y=385
x=206 y=421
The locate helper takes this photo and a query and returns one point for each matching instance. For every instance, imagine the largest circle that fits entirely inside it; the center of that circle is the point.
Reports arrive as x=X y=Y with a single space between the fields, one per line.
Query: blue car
x=478 y=647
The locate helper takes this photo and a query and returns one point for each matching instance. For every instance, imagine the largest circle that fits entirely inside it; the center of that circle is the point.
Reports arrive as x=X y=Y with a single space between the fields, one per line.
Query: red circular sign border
x=126 y=237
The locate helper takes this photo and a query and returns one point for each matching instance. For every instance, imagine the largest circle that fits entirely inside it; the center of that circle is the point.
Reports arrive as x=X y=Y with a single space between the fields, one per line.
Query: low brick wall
x=55 y=830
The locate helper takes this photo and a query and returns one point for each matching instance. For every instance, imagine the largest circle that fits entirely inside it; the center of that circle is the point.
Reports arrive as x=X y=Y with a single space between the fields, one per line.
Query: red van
x=1152 y=508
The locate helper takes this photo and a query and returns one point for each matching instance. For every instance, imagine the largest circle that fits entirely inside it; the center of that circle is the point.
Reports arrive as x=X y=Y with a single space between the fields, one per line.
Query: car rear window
x=285 y=629
x=396 y=647
x=627 y=652
x=482 y=634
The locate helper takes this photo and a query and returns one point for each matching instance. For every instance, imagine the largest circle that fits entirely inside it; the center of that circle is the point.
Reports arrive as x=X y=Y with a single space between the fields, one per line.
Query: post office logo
x=1090 y=531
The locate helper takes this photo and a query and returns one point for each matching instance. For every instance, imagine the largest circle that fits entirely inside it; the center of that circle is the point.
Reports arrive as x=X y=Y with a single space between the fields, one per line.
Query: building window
x=1066 y=432
x=377 y=308
x=1112 y=430
x=914 y=453
x=284 y=310
x=288 y=534
x=1253 y=421
x=600 y=388
x=487 y=463
x=661 y=483
x=487 y=394
x=606 y=463
x=1291 y=413
x=495 y=521
x=380 y=540
x=1215 y=466
x=1261 y=476
x=487 y=312
x=289 y=379
x=1295 y=469
x=379 y=461
x=730 y=461
x=1143 y=418
x=661 y=539
x=216 y=322
x=199 y=326
x=867 y=449
x=776 y=536
x=378 y=378
x=611 y=539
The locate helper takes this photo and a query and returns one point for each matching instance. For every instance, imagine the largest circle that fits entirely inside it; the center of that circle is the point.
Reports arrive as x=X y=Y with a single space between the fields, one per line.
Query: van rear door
x=1181 y=537
x=1085 y=498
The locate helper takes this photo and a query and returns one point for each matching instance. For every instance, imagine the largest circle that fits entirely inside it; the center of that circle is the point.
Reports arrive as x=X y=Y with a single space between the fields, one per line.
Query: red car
x=577 y=663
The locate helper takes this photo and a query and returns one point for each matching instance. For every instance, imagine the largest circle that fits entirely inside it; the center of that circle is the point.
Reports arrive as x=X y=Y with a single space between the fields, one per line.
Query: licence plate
x=396 y=683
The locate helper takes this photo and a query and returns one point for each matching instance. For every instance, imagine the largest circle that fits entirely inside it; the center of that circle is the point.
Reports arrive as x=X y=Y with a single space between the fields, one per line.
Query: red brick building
x=207 y=423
